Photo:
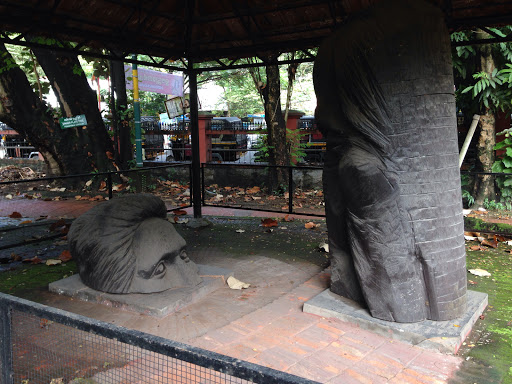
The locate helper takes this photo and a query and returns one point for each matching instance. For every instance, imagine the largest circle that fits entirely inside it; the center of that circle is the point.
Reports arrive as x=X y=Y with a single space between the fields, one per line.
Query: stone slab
x=155 y=304
x=444 y=336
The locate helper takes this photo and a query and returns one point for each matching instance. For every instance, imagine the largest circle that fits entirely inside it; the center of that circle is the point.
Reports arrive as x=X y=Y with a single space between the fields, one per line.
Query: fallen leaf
x=15 y=257
x=472 y=282
x=234 y=283
x=240 y=231
x=26 y=222
x=65 y=256
x=311 y=225
x=15 y=215
x=34 y=260
x=50 y=262
x=253 y=190
x=179 y=212
x=479 y=272
x=500 y=239
x=482 y=317
x=490 y=243
x=103 y=185
x=109 y=155
x=89 y=183
x=9 y=197
x=269 y=223
x=287 y=218
x=475 y=248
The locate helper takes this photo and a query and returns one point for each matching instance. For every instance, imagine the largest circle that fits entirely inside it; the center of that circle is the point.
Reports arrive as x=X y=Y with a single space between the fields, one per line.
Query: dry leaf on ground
x=479 y=272
x=287 y=218
x=253 y=190
x=490 y=243
x=65 y=256
x=15 y=215
x=311 y=225
x=179 y=212
x=234 y=283
x=269 y=223
x=50 y=262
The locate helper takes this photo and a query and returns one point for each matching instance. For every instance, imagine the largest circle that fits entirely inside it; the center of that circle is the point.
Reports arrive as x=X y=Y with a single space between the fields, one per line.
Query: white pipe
x=469 y=136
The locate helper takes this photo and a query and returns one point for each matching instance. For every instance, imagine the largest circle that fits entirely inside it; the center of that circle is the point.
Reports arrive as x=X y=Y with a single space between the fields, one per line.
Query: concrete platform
x=155 y=304
x=444 y=336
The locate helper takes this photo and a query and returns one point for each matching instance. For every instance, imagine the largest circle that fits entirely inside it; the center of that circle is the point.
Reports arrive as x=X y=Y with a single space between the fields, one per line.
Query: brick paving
x=322 y=349
x=269 y=328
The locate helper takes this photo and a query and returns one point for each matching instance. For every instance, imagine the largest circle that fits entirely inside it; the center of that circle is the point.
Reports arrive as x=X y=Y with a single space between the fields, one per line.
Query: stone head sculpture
x=126 y=245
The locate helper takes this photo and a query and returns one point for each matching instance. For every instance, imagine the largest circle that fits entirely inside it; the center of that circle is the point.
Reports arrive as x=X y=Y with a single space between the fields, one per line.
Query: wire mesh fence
x=44 y=345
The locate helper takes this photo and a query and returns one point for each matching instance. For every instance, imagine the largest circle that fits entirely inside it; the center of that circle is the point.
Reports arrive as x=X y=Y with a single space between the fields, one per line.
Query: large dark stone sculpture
x=386 y=105
x=126 y=245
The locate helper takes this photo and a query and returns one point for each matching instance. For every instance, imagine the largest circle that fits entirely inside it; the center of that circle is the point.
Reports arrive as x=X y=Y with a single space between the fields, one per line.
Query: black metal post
x=109 y=185
x=290 y=190
x=6 y=344
x=202 y=182
x=194 y=130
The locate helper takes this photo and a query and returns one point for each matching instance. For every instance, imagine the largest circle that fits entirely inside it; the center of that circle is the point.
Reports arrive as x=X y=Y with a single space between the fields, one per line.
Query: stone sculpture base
x=444 y=336
x=154 y=304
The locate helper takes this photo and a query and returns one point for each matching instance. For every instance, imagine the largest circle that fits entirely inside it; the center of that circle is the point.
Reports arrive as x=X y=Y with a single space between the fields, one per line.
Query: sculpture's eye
x=159 y=270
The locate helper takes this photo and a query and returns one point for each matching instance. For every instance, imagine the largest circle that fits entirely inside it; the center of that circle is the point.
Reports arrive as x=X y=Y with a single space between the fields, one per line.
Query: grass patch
x=491 y=341
x=23 y=281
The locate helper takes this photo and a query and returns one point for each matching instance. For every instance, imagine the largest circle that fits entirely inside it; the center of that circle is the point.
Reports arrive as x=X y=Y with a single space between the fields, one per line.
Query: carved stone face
x=161 y=259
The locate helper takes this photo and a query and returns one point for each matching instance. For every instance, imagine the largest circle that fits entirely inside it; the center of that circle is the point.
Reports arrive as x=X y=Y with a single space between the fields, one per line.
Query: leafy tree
x=66 y=151
x=483 y=81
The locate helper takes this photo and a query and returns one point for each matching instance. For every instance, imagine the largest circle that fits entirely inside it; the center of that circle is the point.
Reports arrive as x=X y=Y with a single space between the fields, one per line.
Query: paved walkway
x=265 y=323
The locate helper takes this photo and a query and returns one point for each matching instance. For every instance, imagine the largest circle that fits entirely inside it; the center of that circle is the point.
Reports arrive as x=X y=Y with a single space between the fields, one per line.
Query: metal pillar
x=194 y=130
x=136 y=114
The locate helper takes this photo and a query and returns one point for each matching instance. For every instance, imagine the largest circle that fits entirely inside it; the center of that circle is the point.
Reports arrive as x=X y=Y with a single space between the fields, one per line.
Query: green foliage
x=504 y=165
x=295 y=145
x=492 y=205
x=493 y=90
x=476 y=90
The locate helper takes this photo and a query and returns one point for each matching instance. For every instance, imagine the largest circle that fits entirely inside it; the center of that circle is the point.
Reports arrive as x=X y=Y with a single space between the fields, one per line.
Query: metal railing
x=288 y=196
x=41 y=344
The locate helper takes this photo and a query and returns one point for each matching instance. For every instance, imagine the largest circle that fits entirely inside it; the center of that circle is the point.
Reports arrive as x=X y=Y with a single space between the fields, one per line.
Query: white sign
x=155 y=81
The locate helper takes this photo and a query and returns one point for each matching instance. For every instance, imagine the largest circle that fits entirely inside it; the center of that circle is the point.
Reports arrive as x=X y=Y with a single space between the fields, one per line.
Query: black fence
x=244 y=186
x=41 y=344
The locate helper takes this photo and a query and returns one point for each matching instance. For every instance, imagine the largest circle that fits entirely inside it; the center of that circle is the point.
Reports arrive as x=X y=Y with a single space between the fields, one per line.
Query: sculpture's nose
x=184 y=257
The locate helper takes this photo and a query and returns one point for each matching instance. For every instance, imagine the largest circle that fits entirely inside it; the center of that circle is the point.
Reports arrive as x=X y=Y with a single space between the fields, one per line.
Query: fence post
x=109 y=185
x=290 y=189
x=6 y=344
x=202 y=183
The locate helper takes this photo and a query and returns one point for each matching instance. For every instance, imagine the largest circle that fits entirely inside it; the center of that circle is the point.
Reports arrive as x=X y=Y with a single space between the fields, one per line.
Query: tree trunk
x=125 y=151
x=276 y=129
x=21 y=109
x=80 y=149
x=485 y=152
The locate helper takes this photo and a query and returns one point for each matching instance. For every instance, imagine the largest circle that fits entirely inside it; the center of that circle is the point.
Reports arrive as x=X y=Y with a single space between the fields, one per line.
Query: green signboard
x=70 y=122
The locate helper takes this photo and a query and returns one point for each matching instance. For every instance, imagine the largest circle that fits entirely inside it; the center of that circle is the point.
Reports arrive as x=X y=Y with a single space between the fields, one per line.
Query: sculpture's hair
x=349 y=96
x=101 y=240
